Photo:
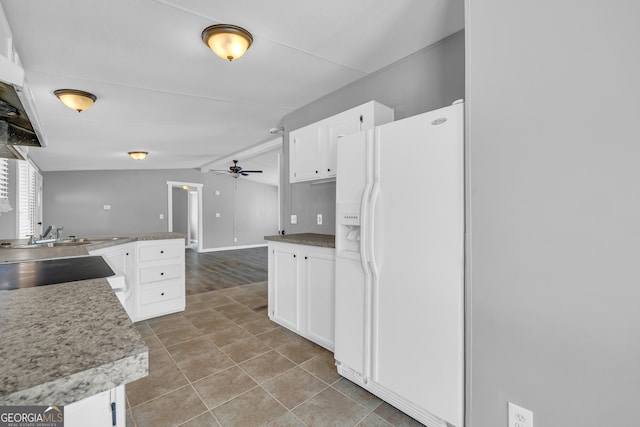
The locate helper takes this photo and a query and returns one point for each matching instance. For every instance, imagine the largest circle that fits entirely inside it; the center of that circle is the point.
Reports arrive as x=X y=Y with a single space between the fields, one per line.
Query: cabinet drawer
x=160 y=252
x=162 y=292
x=163 y=272
x=160 y=308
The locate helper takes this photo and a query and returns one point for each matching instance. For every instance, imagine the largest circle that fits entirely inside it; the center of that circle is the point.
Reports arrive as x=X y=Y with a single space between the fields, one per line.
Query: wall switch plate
x=106 y=207
x=161 y=216
x=235 y=240
x=519 y=417
x=319 y=219
x=294 y=219
x=217 y=214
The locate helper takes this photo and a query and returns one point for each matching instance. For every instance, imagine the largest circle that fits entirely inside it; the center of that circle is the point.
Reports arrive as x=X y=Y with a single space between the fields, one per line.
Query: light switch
x=161 y=216
x=319 y=219
x=106 y=207
x=217 y=214
x=294 y=219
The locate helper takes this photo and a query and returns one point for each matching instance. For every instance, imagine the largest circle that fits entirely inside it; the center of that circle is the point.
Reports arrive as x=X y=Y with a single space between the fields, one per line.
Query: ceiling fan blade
x=252 y=171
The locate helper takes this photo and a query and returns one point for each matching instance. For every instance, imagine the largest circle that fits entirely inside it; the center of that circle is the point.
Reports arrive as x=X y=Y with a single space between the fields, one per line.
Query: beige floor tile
x=159 y=357
x=373 y=420
x=323 y=366
x=169 y=324
x=277 y=337
x=215 y=299
x=179 y=335
x=163 y=318
x=214 y=325
x=199 y=358
x=204 y=420
x=159 y=381
x=245 y=349
x=152 y=342
x=171 y=409
x=395 y=416
x=287 y=420
x=300 y=350
x=144 y=329
x=258 y=326
x=129 y=420
x=358 y=394
x=203 y=317
x=294 y=387
x=228 y=335
x=223 y=386
x=267 y=366
x=196 y=306
x=330 y=408
x=254 y=408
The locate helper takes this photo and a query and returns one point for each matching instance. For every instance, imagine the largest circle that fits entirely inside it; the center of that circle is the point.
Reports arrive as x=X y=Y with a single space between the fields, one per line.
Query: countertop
x=63 y=343
x=16 y=254
x=309 y=239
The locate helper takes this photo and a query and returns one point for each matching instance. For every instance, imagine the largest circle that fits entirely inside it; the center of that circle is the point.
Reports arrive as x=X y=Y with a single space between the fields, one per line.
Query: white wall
x=554 y=211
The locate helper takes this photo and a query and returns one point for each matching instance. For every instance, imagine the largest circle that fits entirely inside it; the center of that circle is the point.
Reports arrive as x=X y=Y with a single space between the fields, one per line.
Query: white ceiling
x=160 y=89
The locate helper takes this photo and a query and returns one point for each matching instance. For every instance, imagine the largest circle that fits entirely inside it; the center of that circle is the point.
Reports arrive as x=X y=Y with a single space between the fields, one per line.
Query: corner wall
x=428 y=79
x=554 y=216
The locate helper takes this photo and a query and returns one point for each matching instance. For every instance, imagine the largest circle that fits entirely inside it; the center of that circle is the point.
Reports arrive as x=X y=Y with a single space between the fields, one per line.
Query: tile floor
x=222 y=362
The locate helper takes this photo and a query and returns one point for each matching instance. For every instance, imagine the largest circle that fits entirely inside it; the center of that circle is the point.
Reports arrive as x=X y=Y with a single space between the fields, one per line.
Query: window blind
x=5 y=205
x=26 y=199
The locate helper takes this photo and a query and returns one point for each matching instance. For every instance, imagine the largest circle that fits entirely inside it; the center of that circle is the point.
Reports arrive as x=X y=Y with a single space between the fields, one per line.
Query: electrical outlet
x=106 y=207
x=161 y=216
x=519 y=417
x=319 y=219
x=294 y=219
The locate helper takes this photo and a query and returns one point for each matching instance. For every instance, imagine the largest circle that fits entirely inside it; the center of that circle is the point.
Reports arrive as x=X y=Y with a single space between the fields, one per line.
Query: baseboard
x=231 y=248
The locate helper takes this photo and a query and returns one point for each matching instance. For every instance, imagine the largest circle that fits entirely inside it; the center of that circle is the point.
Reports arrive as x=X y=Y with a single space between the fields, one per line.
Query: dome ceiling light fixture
x=227 y=41
x=137 y=155
x=78 y=100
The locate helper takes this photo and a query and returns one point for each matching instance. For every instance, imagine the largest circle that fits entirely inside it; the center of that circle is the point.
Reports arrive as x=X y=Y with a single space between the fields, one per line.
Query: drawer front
x=162 y=292
x=163 y=272
x=160 y=308
x=160 y=252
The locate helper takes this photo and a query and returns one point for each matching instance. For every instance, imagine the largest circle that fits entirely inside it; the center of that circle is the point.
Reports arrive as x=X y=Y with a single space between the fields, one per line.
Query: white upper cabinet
x=313 y=148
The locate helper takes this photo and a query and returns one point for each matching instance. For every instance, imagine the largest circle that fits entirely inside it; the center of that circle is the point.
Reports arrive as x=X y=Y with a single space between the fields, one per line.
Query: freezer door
x=417 y=246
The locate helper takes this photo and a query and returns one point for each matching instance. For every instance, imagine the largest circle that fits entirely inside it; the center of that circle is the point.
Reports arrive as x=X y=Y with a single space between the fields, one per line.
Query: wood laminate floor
x=212 y=271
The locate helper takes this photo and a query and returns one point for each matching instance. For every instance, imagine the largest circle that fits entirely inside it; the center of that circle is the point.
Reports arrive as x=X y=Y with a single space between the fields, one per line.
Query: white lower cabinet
x=154 y=273
x=302 y=290
x=104 y=409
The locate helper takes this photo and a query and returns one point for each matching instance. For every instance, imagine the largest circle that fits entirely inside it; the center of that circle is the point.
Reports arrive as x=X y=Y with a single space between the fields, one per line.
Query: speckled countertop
x=309 y=239
x=62 y=343
x=17 y=254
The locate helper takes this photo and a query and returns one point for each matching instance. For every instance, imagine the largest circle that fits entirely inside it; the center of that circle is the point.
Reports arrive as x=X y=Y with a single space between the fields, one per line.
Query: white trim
x=198 y=187
x=231 y=248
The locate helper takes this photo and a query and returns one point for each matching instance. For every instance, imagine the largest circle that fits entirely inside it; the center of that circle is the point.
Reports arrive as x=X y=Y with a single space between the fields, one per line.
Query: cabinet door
x=339 y=126
x=320 y=281
x=99 y=410
x=285 y=287
x=304 y=153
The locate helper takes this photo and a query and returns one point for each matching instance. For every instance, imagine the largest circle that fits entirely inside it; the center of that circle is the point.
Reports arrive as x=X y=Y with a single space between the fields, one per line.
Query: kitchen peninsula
x=73 y=343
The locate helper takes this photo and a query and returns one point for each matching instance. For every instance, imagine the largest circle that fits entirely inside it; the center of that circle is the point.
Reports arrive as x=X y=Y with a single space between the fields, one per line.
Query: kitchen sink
x=59 y=243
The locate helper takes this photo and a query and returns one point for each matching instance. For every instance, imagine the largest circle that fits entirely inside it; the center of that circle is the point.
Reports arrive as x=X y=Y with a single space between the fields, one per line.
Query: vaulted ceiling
x=160 y=89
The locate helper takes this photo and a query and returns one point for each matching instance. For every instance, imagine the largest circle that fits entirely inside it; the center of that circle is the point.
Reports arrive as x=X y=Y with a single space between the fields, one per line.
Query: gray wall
x=8 y=220
x=180 y=211
x=137 y=198
x=554 y=211
x=428 y=79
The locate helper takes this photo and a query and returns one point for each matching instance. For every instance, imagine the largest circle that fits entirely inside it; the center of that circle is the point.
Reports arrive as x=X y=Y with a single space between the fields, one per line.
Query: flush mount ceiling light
x=78 y=100
x=227 y=41
x=138 y=155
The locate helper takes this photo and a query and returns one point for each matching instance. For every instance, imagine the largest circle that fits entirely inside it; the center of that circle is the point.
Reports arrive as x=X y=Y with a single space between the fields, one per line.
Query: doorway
x=184 y=211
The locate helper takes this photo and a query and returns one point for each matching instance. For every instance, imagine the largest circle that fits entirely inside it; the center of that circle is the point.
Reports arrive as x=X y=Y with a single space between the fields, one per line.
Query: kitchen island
x=73 y=343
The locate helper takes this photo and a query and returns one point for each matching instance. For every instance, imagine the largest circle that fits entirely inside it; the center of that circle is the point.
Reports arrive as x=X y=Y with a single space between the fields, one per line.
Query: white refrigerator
x=400 y=264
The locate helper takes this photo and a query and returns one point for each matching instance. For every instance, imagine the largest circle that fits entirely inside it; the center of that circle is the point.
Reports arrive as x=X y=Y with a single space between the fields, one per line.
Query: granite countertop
x=309 y=239
x=17 y=254
x=63 y=343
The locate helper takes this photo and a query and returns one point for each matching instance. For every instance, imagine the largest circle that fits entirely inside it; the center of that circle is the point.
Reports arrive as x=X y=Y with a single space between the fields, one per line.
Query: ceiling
x=160 y=89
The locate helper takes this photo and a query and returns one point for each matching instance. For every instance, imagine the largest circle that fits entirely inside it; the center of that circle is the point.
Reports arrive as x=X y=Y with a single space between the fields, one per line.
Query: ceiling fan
x=236 y=170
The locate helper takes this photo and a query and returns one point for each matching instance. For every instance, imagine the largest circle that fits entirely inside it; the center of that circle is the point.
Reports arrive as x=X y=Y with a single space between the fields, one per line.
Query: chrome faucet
x=59 y=232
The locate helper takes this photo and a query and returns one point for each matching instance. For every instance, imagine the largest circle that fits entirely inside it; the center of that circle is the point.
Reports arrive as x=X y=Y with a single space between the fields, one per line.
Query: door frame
x=193 y=185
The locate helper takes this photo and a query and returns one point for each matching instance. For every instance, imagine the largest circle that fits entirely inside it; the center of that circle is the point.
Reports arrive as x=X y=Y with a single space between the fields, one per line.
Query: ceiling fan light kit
x=229 y=42
x=78 y=100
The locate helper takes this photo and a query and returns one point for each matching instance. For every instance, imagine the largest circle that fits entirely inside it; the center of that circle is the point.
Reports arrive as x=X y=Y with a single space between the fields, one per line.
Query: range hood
x=16 y=127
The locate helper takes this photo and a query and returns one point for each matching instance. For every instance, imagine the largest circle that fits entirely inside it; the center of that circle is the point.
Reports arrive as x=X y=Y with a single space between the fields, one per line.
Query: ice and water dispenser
x=348 y=230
